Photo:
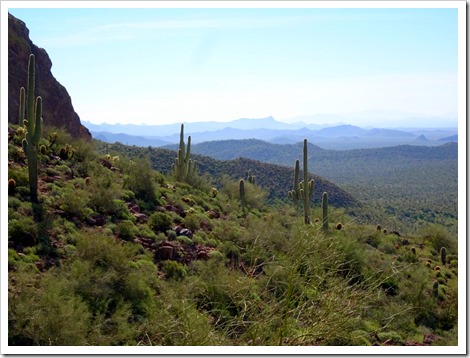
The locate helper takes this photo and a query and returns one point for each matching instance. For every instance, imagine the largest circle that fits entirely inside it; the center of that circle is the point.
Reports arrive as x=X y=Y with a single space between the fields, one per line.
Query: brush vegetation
x=117 y=253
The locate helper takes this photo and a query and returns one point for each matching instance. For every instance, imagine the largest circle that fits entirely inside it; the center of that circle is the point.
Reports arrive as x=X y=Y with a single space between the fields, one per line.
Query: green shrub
x=174 y=270
x=126 y=230
x=23 y=231
x=159 y=222
x=140 y=180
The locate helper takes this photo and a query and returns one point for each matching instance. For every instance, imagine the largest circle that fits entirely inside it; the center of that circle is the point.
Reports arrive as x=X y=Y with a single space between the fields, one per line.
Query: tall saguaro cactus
x=294 y=194
x=306 y=187
x=324 y=204
x=184 y=168
x=33 y=126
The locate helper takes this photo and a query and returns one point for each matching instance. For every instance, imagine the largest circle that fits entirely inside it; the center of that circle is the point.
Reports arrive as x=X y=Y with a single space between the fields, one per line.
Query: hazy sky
x=157 y=65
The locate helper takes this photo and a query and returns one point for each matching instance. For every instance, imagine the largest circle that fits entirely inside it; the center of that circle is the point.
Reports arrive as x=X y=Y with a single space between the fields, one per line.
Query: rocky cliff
x=57 y=105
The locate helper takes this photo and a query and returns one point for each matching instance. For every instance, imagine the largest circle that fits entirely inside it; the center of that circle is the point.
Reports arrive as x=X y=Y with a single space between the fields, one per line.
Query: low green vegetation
x=123 y=254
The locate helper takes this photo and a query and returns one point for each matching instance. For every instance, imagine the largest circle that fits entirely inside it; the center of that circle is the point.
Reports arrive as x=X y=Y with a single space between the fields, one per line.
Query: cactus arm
x=38 y=122
x=30 y=89
x=306 y=195
x=22 y=106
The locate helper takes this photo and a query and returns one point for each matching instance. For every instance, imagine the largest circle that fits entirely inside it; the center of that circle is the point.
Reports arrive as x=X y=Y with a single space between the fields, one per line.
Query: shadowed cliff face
x=57 y=105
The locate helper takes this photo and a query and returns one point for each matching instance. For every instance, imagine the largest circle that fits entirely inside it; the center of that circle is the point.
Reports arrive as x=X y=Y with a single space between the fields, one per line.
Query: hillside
x=115 y=253
x=395 y=179
x=275 y=179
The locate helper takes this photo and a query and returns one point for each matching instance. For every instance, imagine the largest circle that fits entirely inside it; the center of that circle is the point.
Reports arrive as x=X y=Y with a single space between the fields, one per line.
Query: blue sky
x=172 y=65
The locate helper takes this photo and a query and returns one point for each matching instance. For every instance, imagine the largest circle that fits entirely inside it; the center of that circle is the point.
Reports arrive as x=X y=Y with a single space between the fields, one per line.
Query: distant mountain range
x=339 y=137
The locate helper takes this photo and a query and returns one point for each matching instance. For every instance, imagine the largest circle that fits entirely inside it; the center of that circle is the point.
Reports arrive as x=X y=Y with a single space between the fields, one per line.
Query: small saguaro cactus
x=184 y=168
x=251 y=178
x=241 y=190
x=294 y=194
x=306 y=187
x=324 y=204
x=435 y=289
x=33 y=126
x=443 y=253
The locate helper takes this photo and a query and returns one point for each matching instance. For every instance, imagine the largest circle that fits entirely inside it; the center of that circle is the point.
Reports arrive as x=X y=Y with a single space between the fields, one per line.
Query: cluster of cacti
x=324 y=204
x=443 y=253
x=294 y=194
x=241 y=191
x=33 y=126
x=66 y=152
x=184 y=168
x=306 y=187
x=251 y=178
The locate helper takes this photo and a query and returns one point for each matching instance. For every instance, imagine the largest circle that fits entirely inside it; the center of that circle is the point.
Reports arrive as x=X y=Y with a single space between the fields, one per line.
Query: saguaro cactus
x=251 y=178
x=324 y=204
x=443 y=253
x=33 y=126
x=241 y=190
x=306 y=187
x=294 y=194
x=184 y=168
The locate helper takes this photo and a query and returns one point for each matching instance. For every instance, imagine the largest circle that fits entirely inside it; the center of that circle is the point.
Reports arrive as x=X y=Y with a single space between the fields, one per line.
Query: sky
x=167 y=65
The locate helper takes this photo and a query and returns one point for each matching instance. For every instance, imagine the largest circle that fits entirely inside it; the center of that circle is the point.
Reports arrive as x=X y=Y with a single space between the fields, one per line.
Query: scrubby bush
x=174 y=270
x=22 y=231
x=140 y=180
x=126 y=230
x=159 y=222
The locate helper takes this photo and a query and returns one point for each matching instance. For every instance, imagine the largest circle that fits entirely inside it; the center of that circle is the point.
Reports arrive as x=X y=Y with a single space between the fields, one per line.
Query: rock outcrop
x=57 y=105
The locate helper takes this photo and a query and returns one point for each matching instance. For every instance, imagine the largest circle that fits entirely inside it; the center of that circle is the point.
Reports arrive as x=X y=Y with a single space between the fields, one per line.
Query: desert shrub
x=159 y=222
x=438 y=237
x=140 y=179
x=20 y=175
x=126 y=230
x=104 y=190
x=255 y=196
x=47 y=315
x=174 y=270
x=74 y=202
x=23 y=231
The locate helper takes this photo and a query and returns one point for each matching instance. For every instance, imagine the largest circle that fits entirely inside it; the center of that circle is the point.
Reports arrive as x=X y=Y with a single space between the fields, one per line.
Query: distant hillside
x=453 y=138
x=128 y=139
x=338 y=137
x=339 y=166
x=275 y=179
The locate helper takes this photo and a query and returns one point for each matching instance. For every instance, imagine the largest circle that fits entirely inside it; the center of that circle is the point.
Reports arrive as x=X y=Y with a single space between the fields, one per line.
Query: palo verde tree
x=33 y=126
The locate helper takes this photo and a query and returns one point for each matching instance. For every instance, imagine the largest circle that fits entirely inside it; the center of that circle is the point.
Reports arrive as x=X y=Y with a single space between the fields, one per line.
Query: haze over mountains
x=332 y=136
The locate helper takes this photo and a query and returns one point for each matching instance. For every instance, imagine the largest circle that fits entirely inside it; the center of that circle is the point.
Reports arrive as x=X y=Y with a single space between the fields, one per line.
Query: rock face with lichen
x=57 y=105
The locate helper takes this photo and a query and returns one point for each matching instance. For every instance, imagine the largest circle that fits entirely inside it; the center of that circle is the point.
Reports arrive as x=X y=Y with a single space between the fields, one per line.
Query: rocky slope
x=58 y=110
